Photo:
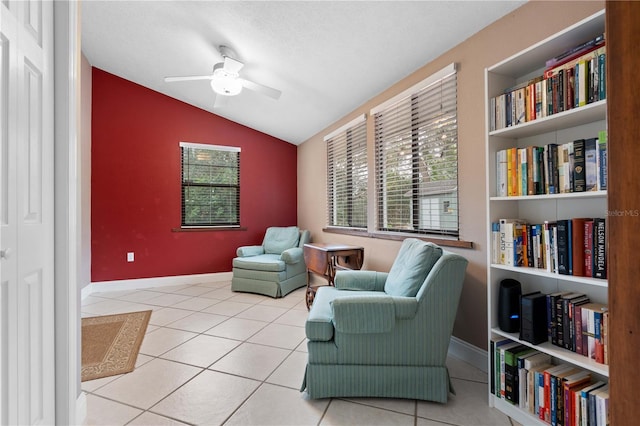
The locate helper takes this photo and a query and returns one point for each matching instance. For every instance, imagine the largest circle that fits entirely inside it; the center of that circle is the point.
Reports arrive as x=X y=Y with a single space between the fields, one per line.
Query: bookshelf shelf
x=542 y=273
x=568 y=126
x=569 y=195
x=571 y=118
x=560 y=353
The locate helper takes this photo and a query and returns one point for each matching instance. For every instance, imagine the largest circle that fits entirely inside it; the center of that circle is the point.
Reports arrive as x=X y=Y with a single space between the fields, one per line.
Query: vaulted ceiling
x=326 y=57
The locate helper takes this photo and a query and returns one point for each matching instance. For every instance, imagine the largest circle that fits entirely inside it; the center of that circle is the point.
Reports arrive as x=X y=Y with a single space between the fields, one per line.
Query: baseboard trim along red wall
x=135 y=184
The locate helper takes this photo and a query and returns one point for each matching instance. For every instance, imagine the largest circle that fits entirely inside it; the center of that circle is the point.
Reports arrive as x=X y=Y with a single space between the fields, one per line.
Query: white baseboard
x=141 y=283
x=469 y=353
x=81 y=408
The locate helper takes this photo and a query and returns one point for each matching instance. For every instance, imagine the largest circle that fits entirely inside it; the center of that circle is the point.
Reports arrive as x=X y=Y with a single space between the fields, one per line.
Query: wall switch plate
x=130 y=256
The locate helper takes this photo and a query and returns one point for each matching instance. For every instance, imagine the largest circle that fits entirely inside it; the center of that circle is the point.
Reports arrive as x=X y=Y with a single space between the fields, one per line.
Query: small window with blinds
x=347 y=175
x=210 y=185
x=416 y=163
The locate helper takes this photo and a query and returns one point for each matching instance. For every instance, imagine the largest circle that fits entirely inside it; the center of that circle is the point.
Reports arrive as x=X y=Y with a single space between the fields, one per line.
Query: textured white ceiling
x=327 y=57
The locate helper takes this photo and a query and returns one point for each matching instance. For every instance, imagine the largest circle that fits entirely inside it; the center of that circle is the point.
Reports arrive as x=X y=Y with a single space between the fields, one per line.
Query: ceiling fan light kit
x=224 y=82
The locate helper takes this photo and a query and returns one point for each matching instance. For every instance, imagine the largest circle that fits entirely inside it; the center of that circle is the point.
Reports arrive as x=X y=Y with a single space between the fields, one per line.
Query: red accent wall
x=135 y=184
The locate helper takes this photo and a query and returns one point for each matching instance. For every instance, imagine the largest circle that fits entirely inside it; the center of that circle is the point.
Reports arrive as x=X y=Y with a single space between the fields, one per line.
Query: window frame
x=186 y=185
x=410 y=99
x=342 y=141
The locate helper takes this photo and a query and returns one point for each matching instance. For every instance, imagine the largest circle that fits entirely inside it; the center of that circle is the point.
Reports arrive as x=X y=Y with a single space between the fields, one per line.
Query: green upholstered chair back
x=278 y=239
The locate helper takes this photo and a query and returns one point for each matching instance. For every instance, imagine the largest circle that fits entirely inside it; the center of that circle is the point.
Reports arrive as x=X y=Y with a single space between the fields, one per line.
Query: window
x=416 y=164
x=347 y=175
x=210 y=185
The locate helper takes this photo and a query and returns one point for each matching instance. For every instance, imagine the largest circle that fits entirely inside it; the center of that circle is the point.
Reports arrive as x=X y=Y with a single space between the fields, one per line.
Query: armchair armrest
x=292 y=255
x=246 y=251
x=364 y=314
x=360 y=280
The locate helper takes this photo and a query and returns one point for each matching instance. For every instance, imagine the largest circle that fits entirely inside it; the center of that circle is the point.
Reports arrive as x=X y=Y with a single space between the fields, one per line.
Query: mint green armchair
x=274 y=268
x=381 y=334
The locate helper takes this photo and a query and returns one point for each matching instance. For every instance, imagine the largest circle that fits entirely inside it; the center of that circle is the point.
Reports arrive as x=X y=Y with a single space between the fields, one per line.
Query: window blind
x=347 y=175
x=416 y=163
x=210 y=185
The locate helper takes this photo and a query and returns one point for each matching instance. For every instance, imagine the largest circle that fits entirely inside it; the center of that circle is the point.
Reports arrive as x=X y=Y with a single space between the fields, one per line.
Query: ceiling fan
x=226 y=80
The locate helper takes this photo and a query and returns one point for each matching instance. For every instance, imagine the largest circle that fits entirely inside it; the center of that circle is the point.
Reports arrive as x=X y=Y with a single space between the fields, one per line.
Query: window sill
x=445 y=242
x=208 y=229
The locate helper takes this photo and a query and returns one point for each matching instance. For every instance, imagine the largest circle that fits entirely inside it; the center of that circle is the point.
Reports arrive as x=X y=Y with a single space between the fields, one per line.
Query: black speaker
x=533 y=318
x=509 y=305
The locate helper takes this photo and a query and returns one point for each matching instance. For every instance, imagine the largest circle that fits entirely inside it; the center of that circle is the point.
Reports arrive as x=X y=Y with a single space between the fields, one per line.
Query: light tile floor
x=214 y=357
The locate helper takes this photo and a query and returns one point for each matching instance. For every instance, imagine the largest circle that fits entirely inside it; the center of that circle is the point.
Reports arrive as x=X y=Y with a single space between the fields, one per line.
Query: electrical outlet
x=130 y=256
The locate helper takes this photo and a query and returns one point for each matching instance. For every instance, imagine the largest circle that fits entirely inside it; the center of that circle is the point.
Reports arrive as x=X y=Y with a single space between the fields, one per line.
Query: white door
x=26 y=213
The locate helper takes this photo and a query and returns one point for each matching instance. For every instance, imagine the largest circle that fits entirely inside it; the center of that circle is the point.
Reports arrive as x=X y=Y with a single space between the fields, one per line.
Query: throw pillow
x=411 y=266
x=277 y=239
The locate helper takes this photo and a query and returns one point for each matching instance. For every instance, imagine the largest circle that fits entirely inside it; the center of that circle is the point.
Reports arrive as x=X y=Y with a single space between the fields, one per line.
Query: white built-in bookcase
x=567 y=126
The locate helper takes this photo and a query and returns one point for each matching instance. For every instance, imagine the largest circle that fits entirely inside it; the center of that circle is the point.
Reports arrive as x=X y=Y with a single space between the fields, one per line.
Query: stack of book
x=557 y=394
x=574 y=246
x=570 y=80
x=576 y=166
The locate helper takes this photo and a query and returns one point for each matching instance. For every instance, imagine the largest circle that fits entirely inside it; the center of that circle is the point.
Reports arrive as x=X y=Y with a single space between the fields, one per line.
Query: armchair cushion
x=278 y=239
x=411 y=266
x=246 y=251
x=364 y=314
x=292 y=255
x=262 y=262
x=360 y=280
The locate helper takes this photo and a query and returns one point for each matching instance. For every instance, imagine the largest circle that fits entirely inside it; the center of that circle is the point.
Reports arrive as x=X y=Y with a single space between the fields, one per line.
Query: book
x=588 y=248
x=501 y=173
x=602 y=160
x=590 y=164
x=563 y=242
x=577 y=246
x=584 y=401
x=535 y=378
x=557 y=394
x=592 y=403
x=494 y=343
x=599 y=248
x=507 y=238
x=549 y=397
x=495 y=242
x=589 y=311
x=579 y=165
x=526 y=392
x=511 y=374
x=602 y=405
x=500 y=366
x=570 y=320
x=552 y=303
x=570 y=384
x=575 y=51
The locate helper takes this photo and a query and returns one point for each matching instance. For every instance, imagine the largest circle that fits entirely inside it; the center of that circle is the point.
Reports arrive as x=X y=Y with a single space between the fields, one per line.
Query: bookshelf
x=577 y=123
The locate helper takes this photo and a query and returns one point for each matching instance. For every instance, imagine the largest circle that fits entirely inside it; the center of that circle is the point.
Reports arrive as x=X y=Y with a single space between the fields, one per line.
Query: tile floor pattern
x=215 y=357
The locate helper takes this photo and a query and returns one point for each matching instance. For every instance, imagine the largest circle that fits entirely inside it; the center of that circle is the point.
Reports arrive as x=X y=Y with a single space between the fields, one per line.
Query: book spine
x=602 y=88
x=602 y=159
x=599 y=355
x=599 y=245
x=590 y=164
x=577 y=317
x=588 y=248
x=579 y=175
x=577 y=246
x=563 y=247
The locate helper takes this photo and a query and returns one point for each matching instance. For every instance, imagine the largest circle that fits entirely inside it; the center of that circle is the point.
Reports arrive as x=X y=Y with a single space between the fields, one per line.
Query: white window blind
x=347 y=175
x=416 y=164
x=210 y=185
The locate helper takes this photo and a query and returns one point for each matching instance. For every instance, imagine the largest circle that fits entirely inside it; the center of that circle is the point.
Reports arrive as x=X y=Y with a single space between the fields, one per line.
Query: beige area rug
x=110 y=343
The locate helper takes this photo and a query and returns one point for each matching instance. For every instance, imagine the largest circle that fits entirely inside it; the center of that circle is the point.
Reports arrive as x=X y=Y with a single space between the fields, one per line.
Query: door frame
x=69 y=403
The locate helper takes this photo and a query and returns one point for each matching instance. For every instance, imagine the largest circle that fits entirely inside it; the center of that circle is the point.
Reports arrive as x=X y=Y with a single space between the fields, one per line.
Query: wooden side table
x=325 y=259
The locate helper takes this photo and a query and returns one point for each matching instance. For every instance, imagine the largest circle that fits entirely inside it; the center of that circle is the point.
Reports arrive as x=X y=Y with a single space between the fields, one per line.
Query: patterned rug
x=110 y=343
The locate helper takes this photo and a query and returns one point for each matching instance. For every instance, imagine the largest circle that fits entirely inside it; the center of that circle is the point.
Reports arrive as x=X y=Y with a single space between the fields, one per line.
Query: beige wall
x=527 y=25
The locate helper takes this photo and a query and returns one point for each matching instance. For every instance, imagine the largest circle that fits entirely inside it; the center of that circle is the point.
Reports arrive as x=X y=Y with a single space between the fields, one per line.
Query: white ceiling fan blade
x=187 y=78
x=232 y=65
x=265 y=90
